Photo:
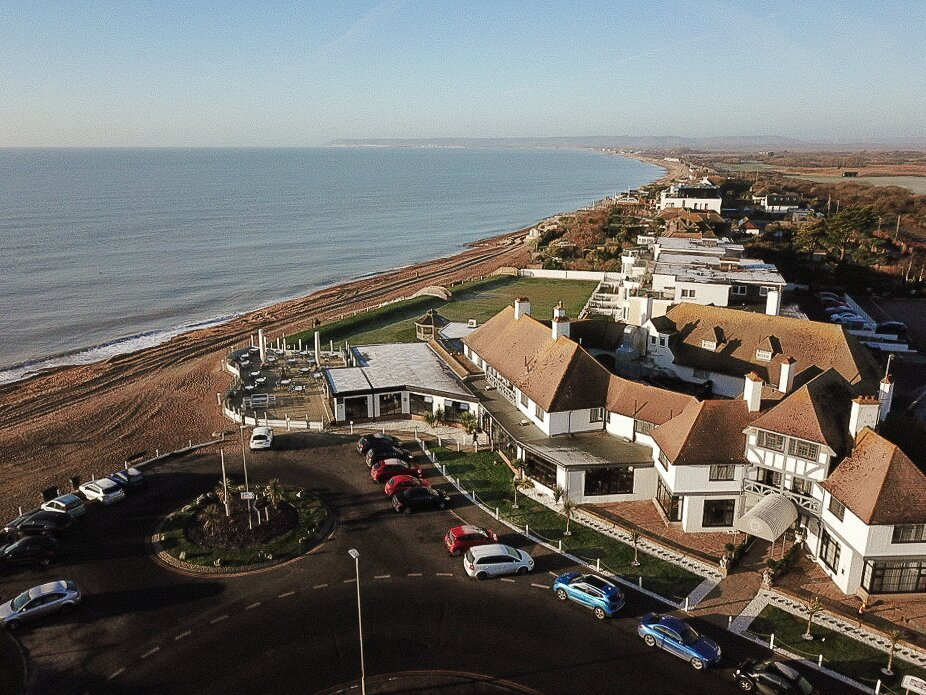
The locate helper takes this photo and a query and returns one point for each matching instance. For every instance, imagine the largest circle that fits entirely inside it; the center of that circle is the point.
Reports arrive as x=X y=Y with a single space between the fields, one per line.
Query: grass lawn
x=840 y=652
x=478 y=300
x=491 y=479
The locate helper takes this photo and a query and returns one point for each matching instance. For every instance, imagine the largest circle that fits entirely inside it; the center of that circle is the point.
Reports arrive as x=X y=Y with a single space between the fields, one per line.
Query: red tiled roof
x=706 y=432
x=645 y=402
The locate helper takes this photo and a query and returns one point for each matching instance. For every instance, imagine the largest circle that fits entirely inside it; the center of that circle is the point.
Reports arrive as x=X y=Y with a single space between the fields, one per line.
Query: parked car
x=38 y=521
x=377 y=440
x=261 y=438
x=102 y=490
x=770 y=677
x=459 y=539
x=602 y=596
x=414 y=499
x=401 y=482
x=833 y=304
x=39 y=601
x=836 y=310
x=494 y=560
x=378 y=454
x=897 y=328
x=384 y=470
x=69 y=504
x=829 y=295
x=679 y=638
x=846 y=317
x=29 y=550
x=130 y=480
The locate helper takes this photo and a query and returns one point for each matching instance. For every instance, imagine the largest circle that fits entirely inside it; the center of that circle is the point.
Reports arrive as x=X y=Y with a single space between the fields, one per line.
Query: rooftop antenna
x=887 y=370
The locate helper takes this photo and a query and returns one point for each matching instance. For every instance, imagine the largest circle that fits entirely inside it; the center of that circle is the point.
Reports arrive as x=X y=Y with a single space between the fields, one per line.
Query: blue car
x=603 y=597
x=679 y=638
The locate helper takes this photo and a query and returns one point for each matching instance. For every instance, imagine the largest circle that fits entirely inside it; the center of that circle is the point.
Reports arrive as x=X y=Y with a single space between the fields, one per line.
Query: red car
x=461 y=538
x=400 y=482
x=384 y=470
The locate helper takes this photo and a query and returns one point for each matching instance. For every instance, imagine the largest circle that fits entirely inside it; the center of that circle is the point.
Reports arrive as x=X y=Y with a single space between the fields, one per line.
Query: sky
x=227 y=73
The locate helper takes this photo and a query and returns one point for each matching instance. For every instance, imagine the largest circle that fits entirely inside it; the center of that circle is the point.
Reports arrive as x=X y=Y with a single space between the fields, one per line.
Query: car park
x=39 y=601
x=770 y=677
x=38 y=521
x=29 y=550
x=261 y=438
x=384 y=470
x=391 y=452
x=377 y=440
x=401 y=482
x=603 y=597
x=459 y=539
x=130 y=480
x=414 y=499
x=102 y=490
x=69 y=504
x=677 y=637
x=495 y=560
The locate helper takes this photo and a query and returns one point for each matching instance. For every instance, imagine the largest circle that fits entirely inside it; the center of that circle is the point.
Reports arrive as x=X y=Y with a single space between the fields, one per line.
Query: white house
x=691 y=196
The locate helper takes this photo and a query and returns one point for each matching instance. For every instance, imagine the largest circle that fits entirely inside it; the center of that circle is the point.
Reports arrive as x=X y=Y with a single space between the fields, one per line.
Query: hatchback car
x=69 y=504
x=374 y=456
x=38 y=521
x=679 y=638
x=130 y=480
x=597 y=593
x=39 y=601
x=459 y=539
x=494 y=560
x=29 y=550
x=401 y=482
x=382 y=471
x=103 y=490
x=770 y=677
x=374 y=441
x=416 y=498
x=261 y=438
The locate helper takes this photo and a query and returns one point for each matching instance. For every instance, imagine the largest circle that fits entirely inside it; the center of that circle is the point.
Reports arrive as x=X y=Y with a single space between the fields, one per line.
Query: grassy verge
x=312 y=516
x=491 y=480
x=840 y=652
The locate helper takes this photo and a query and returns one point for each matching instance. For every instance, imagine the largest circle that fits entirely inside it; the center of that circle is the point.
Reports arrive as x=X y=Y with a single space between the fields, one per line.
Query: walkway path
x=735 y=591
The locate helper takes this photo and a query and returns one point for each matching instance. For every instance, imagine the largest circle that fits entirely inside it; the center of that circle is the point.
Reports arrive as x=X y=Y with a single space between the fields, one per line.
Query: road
x=146 y=628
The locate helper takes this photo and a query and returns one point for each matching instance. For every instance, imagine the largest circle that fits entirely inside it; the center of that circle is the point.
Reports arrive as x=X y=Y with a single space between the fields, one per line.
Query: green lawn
x=840 y=652
x=478 y=300
x=491 y=479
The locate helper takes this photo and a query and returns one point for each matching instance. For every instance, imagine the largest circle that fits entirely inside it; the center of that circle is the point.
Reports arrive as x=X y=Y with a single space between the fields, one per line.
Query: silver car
x=484 y=561
x=39 y=601
x=66 y=504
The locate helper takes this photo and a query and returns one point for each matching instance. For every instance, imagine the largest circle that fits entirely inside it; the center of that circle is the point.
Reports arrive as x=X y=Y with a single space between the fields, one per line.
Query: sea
x=106 y=251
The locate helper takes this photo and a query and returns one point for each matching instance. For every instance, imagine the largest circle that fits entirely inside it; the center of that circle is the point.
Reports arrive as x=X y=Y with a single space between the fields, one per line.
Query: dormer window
x=764 y=355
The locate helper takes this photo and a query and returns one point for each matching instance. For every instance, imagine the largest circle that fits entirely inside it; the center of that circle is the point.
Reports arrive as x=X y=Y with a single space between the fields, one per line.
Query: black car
x=130 y=480
x=373 y=441
x=414 y=498
x=392 y=452
x=771 y=677
x=38 y=521
x=29 y=550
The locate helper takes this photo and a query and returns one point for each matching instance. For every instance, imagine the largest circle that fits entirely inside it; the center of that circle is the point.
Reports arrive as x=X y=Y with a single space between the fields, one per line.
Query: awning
x=771 y=517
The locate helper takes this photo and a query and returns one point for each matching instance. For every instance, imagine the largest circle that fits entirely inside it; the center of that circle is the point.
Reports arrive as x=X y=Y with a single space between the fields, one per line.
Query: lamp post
x=363 y=676
x=244 y=460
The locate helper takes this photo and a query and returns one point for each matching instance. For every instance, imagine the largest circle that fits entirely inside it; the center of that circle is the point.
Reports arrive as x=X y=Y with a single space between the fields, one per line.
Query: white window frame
x=740 y=290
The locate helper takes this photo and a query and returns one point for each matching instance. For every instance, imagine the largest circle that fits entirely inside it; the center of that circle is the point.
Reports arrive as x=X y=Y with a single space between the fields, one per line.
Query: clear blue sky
x=301 y=73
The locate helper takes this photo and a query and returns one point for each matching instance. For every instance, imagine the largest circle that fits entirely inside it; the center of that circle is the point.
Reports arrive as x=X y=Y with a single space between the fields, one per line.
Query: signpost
x=912 y=684
x=247 y=495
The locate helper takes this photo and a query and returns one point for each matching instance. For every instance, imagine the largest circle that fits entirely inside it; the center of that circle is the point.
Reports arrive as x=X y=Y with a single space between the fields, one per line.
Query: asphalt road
x=145 y=628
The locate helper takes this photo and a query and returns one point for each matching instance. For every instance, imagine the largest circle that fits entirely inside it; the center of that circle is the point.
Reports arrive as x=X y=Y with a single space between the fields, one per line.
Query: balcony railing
x=502 y=388
x=808 y=502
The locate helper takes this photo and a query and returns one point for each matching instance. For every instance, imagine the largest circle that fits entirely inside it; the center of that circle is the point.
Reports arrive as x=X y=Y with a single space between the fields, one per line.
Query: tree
x=558 y=492
x=635 y=539
x=434 y=418
x=211 y=516
x=520 y=483
x=896 y=636
x=849 y=229
x=812 y=237
x=469 y=422
x=274 y=492
x=569 y=508
x=813 y=607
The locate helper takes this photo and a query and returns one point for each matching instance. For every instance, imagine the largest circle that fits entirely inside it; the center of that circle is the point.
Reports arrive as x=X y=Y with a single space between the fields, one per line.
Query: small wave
x=103 y=351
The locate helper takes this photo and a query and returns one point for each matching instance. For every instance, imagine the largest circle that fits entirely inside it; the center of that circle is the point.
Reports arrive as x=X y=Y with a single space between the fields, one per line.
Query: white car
x=494 y=560
x=66 y=504
x=261 y=438
x=103 y=490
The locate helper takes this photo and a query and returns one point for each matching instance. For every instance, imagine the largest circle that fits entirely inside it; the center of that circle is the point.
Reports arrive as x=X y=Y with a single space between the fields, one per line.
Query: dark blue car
x=679 y=638
x=603 y=597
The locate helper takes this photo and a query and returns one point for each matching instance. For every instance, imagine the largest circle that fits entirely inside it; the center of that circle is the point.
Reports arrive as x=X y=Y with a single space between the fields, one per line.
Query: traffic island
x=259 y=528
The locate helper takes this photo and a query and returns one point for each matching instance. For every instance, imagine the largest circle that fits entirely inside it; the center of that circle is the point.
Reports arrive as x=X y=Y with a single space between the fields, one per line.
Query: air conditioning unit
x=472 y=323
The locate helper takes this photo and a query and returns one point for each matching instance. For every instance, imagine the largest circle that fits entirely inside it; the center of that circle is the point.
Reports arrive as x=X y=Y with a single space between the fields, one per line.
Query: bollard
x=640 y=581
x=560 y=542
x=496 y=512
x=878 y=687
x=351 y=426
x=458 y=445
x=686 y=604
x=473 y=495
x=384 y=429
x=20 y=511
x=527 y=530
x=820 y=661
x=125 y=466
x=440 y=442
x=190 y=445
x=287 y=422
x=598 y=564
x=729 y=621
x=771 y=641
x=157 y=453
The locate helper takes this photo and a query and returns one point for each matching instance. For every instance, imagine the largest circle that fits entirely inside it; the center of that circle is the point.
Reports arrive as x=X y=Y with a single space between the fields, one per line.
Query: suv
x=461 y=538
x=494 y=560
x=130 y=480
x=771 y=677
x=261 y=438
x=414 y=498
x=376 y=441
x=103 y=490
x=374 y=456
x=602 y=596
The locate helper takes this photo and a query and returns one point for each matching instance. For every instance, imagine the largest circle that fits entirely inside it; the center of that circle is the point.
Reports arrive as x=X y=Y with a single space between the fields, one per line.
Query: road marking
x=541 y=586
x=115 y=673
x=553 y=574
x=349 y=581
x=218 y=620
x=458 y=516
x=414 y=574
x=444 y=574
x=148 y=653
x=382 y=576
x=287 y=593
x=253 y=605
x=505 y=579
x=319 y=586
x=182 y=635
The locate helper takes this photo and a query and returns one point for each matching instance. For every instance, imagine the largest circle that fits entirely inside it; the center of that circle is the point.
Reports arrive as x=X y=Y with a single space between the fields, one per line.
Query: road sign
x=247 y=495
x=914 y=685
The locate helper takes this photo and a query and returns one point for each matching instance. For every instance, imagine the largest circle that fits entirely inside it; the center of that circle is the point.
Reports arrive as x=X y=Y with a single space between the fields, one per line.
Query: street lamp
x=244 y=460
x=363 y=676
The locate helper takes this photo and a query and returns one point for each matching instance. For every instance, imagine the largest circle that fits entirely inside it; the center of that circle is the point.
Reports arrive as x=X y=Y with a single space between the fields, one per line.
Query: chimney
x=261 y=343
x=885 y=396
x=752 y=392
x=522 y=307
x=773 y=302
x=559 y=311
x=786 y=375
x=864 y=414
x=560 y=327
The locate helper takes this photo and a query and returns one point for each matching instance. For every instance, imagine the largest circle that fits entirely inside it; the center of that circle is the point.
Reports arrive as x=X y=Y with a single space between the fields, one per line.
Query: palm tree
x=519 y=483
x=211 y=516
x=569 y=508
x=558 y=492
x=468 y=420
x=814 y=606
x=635 y=538
x=274 y=492
x=895 y=636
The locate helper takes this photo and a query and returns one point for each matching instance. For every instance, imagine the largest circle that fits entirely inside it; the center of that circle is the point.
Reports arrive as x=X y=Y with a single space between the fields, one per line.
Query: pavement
x=145 y=628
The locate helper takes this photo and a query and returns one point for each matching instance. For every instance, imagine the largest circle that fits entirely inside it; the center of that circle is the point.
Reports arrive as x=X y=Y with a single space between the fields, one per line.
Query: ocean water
x=104 y=251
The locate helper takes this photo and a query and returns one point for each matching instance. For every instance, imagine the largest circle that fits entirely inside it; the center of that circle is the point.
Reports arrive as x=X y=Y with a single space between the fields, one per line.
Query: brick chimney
x=752 y=392
x=522 y=307
x=786 y=375
x=864 y=414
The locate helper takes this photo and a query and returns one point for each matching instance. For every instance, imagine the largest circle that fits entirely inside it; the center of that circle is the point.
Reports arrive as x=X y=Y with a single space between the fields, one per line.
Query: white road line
x=253 y=605
x=349 y=581
x=458 y=516
x=505 y=579
x=218 y=620
x=148 y=653
x=444 y=574
x=115 y=673
x=182 y=635
x=541 y=586
x=414 y=574
x=319 y=586
x=287 y=593
x=382 y=576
